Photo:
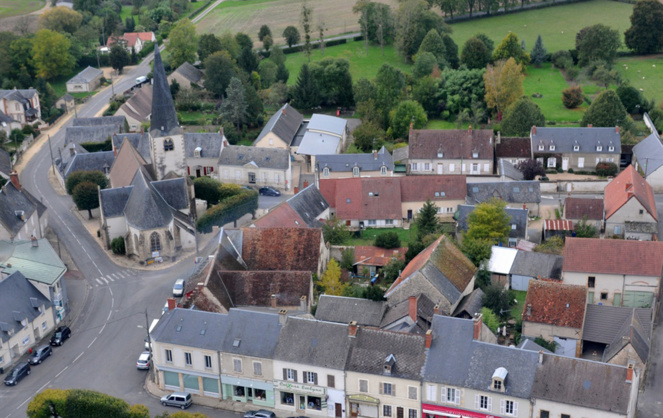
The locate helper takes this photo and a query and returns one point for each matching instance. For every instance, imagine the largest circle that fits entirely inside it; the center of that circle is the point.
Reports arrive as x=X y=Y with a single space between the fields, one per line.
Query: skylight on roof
x=237 y=342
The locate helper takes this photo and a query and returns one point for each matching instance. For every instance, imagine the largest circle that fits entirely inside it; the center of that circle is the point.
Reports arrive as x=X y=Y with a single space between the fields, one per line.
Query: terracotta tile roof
x=421 y=188
x=514 y=147
x=380 y=199
x=146 y=36
x=376 y=256
x=562 y=305
x=577 y=207
x=255 y=288
x=281 y=216
x=294 y=249
x=345 y=195
x=416 y=263
x=454 y=143
x=613 y=256
x=558 y=225
x=627 y=185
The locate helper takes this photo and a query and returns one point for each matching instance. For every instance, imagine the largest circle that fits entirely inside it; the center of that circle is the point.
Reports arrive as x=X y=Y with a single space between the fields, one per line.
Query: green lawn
x=517 y=309
x=126 y=12
x=444 y=124
x=550 y=82
x=363 y=64
x=643 y=73
x=368 y=235
x=557 y=25
x=9 y=8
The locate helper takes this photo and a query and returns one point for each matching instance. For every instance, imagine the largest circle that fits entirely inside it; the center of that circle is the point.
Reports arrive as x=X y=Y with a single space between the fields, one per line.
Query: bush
x=561 y=59
x=388 y=240
x=572 y=73
x=497 y=299
x=207 y=189
x=490 y=319
x=572 y=97
x=606 y=169
x=548 y=345
x=570 y=171
x=229 y=210
x=118 y=247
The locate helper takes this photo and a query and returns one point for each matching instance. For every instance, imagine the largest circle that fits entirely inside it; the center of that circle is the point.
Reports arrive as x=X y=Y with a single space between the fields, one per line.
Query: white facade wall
x=401 y=388
x=30 y=227
x=457 y=166
x=631 y=211
x=612 y=284
x=26 y=338
x=468 y=399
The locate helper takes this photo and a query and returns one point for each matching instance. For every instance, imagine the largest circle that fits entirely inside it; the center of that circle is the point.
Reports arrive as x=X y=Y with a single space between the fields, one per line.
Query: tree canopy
x=182 y=43
x=405 y=113
x=50 y=54
x=645 y=36
x=521 y=116
x=86 y=197
x=597 y=42
x=605 y=111
x=475 y=54
x=539 y=52
x=510 y=47
x=331 y=279
x=426 y=220
x=60 y=19
x=504 y=84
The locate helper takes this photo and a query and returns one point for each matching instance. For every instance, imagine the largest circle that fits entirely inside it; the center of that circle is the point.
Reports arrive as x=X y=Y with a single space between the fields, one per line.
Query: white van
x=141 y=80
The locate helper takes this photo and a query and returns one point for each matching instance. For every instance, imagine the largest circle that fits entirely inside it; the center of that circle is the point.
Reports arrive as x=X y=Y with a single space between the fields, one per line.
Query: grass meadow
x=9 y=8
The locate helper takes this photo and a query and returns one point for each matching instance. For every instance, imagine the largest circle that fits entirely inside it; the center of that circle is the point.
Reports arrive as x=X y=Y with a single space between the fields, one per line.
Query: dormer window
x=325 y=172
x=389 y=364
x=475 y=154
x=383 y=170
x=599 y=148
x=499 y=378
x=168 y=144
x=541 y=147
x=611 y=148
x=197 y=152
x=440 y=154
x=576 y=148
x=551 y=147
x=355 y=171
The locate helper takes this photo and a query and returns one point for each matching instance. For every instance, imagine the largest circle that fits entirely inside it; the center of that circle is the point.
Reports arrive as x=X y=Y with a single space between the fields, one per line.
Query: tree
x=368 y=136
x=489 y=221
x=504 y=84
x=60 y=19
x=85 y=197
x=521 y=116
x=572 y=97
x=335 y=231
x=598 y=42
x=305 y=94
x=424 y=64
x=332 y=76
x=475 y=54
x=510 y=48
x=234 y=105
x=118 y=57
x=291 y=36
x=553 y=245
x=129 y=24
x=227 y=190
x=322 y=28
x=387 y=240
x=497 y=299
x=264 y=31
x=433 y=44
x=282 y=76
x=248 y=60
x=207 y=189
x=606 y=169
x=50 y=54
x=483 y=279
x=539 y=52
x=219 y=69
x=348 y=258
x=207 y=45
x=486 y=41
x=645 y=36
x=277 y=56
x=267 y=42
x=118 y=246
x=605 y=111
x=96 y=177
x=305 y=18
x=392 y=270
x=451 y=51
x=426 y=220
x=267 y=70
x=462 y=90
x=413 y=249
x=182 y=43
x=531 y=168
x=377 y=22
x=390 y=83
x=631 y=99
x=409 y=30
x=405 y=113
x=450 y=6
x=585 y=230
x=331 y=279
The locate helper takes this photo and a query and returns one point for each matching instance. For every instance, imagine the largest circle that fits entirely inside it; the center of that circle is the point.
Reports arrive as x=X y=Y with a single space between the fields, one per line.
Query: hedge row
x=300 y=48
x=229 y=210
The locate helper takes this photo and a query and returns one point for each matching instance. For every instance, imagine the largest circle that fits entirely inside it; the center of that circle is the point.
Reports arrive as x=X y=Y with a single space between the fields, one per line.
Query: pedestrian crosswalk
x=114 y=277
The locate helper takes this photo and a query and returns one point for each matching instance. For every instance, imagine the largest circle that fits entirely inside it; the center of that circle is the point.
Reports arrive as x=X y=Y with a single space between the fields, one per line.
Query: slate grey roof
x=5 y=162
x=602 y=322
x=119 y=121
x=345 y=309
x=346 y=162
x=564 y=140
x=372 y=346
x=256 y=333
x=649 y=154
x=297 y=141
x=636 y=331
x=314 y=343
x=164 y=118
x=470 y=304
x=146 y=209
x=210 y=143
x=284 y=123
x=19 y=300
x=505 y=168
x=585 y=383
x=508 y=191
x=184 y=326
x=401 y=154
x=12 y=201
x=113 y=201
x=18 y=95
x=240 y=155
x=85 y=134
x=174 y=192
x=527 y=344
x=470 y=363
x=6 y=119
x=190 y=72
x=330 y=124
x=90 y=161
x=401 y=310
x=517 y=217
x=531 y=264
x=139 y=141
x=86 y=76
x=309 y=204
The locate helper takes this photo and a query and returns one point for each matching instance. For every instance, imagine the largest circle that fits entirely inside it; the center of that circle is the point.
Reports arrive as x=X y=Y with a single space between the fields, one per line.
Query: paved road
x=106 y=339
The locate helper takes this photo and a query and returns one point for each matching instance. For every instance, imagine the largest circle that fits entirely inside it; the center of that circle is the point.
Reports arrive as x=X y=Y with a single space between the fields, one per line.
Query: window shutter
x=490 y=404
x=515 y=409
x=285 y=374
x=393 y=389
x=331 y=381
x=315 y=379
x=457 y=396
x=381 y=388
x=477 y=403
x=295 y=372
x=430 y=393
x=443 y=394
x=502 y=406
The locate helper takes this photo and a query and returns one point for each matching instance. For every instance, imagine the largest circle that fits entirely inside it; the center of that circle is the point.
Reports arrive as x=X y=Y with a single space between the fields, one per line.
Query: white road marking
x=116 y=278
x=104 y=279
x=42 y=388
x=95 y=339
x=24 y=402
x=121 y=275
x=99 y=281
x=61 y=371
x=79 y=356
x=110 y=278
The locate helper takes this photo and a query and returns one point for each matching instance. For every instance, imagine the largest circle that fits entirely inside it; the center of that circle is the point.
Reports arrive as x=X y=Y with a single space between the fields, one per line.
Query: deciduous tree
x=504 y=84
x=424 y=64
x=50 y=54
x=585 y=230
x=182 y=43
x=60 y=19
x=405 y=113
x=96 y=177
x=645 y=36
x=207 y=189
x=219 y=69
x=305 y=18
x=207 y=45
x=490 y=221
x=433 y=44
x=335 y=231
x=521 y=116
x=85 y=197
x=264 y=31
x=475 y=54
x=234 y=107
x=291 y=36
x=409 y=29
x=118 y=57
x=331 y=279
x=530 y=169
x=510 y=48
x=598 y=42
x=572 y=97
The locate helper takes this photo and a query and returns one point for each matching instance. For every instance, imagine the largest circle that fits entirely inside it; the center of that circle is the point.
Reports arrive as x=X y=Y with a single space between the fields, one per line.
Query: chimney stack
x=429 y=338
x=499 y=138
x=375 y=154
x=171 y=304
x=302 y=304
x=529 y=309
x=469 y=131
x=617 y=129
x=436 y=309
x=283 y=110
x=589 y=125
x=478 y=322
x=412 y=308
x=524 y=206
x=13 y=176
x=629 y=374
x=540 y=356
x=283 y=316
x=273 y=301
x=533 y=130
x=34 y=240
x=411 y=133
x=352 y=329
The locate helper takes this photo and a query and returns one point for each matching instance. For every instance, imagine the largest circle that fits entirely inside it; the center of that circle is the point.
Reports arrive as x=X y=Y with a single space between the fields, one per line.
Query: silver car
x=144 y=361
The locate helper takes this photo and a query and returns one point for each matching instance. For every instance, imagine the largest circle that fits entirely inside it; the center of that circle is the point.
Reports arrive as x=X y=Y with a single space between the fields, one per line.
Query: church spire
x=163 y=118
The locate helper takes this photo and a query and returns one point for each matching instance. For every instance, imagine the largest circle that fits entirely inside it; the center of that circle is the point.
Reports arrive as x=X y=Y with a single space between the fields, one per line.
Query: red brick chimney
x=617 y=129
x=412 y=308
x=469 y=131
x=478 y=322
x=429 y=338
x=352 y=329
x=13 y=176
x=533 y=130
x=375 y=154
x=629 y=373
x=171 y=304
x=436 y=309
x=590 y=125
x=273 y=301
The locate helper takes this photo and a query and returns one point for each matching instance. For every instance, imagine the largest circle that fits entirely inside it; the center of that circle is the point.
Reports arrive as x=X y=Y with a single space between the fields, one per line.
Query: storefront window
x=259 y=394
x=238 y=391
x=287 y=398
x=313 y=402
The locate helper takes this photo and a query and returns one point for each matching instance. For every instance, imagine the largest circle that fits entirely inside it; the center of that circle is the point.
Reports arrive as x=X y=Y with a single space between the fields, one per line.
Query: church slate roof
x=146 y=209
x=90 y=162
x=139 y=141
x=113 y=201
x=85 y=134
x=210 y=143
x=173 y=191
x=164 y=118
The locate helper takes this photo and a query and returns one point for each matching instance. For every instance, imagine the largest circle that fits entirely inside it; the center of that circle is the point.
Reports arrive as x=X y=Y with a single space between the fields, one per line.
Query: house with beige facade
x=22 y=106
x=202 y=152
x=86 y=81
x=451 y=151
x=255 y=166
x=607 y=269
x=630 y=208
x=187 y=76
x=281 y=129
x=580 y=149
x=579 y=209
x=334 y=166
x=138 y=108
x=23 y=216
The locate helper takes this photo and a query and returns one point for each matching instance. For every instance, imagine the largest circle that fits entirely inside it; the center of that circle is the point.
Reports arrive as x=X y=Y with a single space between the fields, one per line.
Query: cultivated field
x=248 y=15
x=9 y=8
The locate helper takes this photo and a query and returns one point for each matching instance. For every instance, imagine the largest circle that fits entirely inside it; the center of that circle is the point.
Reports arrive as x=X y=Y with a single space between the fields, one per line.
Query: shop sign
x=299 y=388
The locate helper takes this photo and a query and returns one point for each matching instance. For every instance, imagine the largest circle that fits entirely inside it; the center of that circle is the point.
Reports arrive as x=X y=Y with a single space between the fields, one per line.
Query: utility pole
x=50 y=148
x=155 y=376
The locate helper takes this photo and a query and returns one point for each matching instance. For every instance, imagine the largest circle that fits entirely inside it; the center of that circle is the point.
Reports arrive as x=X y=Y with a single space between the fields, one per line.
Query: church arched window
x=155 y=242
x=168 y=144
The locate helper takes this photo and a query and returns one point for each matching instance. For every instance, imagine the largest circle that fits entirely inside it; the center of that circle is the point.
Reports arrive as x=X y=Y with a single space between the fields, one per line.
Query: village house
x=580 y=149
x=7 y=124
x=529 y=265
x=451 y=151
x=630 y=207
x=187 y=76
x=325 y=135
x=599 y=264
x=516 y=194
x=376 y=164
x=138 y=108
x=648 y=157
x=21 y=214
x=578 y=209
x=513 y=149
x=135 y=41
x=308 y=208
x=254 y=166
x=281 y=129
x=22 y=106
x=86 y=81
x=203 y=151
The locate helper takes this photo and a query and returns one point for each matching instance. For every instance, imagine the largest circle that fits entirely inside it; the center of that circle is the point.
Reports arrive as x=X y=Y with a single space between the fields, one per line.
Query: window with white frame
x=386 y=410
x=325 y=172
x=44 y=325
x=355 y=171
x=576 y=148
x=290 y=374
x=484 y=402
x=371 y=222
x=237 y=365
x=513 y=227
x=426 y=166
x=552 y=162
x=440 y=155
x=551 y=148
x=611 y=148
x=541 y=147
x=475 y=154
x=581 y=162
x=187 y=359
x=388 y=389
x=277 y=178
x=599 y=148
x=383 y=170
x=257 y=368
x=389 y=221
x=431 y=393
x=169 y=356
x=412 y=392
x=452 y=167
x=414 y=167
x=363 y=386
x=310 y=377
x=475 y=167
x=196 y=152
x=452 y=395
x=208 y=362
x=509 y=407
x=26 y=340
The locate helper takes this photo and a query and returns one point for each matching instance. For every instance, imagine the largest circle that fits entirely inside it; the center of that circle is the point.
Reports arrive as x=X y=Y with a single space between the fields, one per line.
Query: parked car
x=144 y=361
x=17 y=373
x=178 y=399
x=262 y=413
x=40 y=354
x=269 y=191
x=178 y=287
x=61 y=334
